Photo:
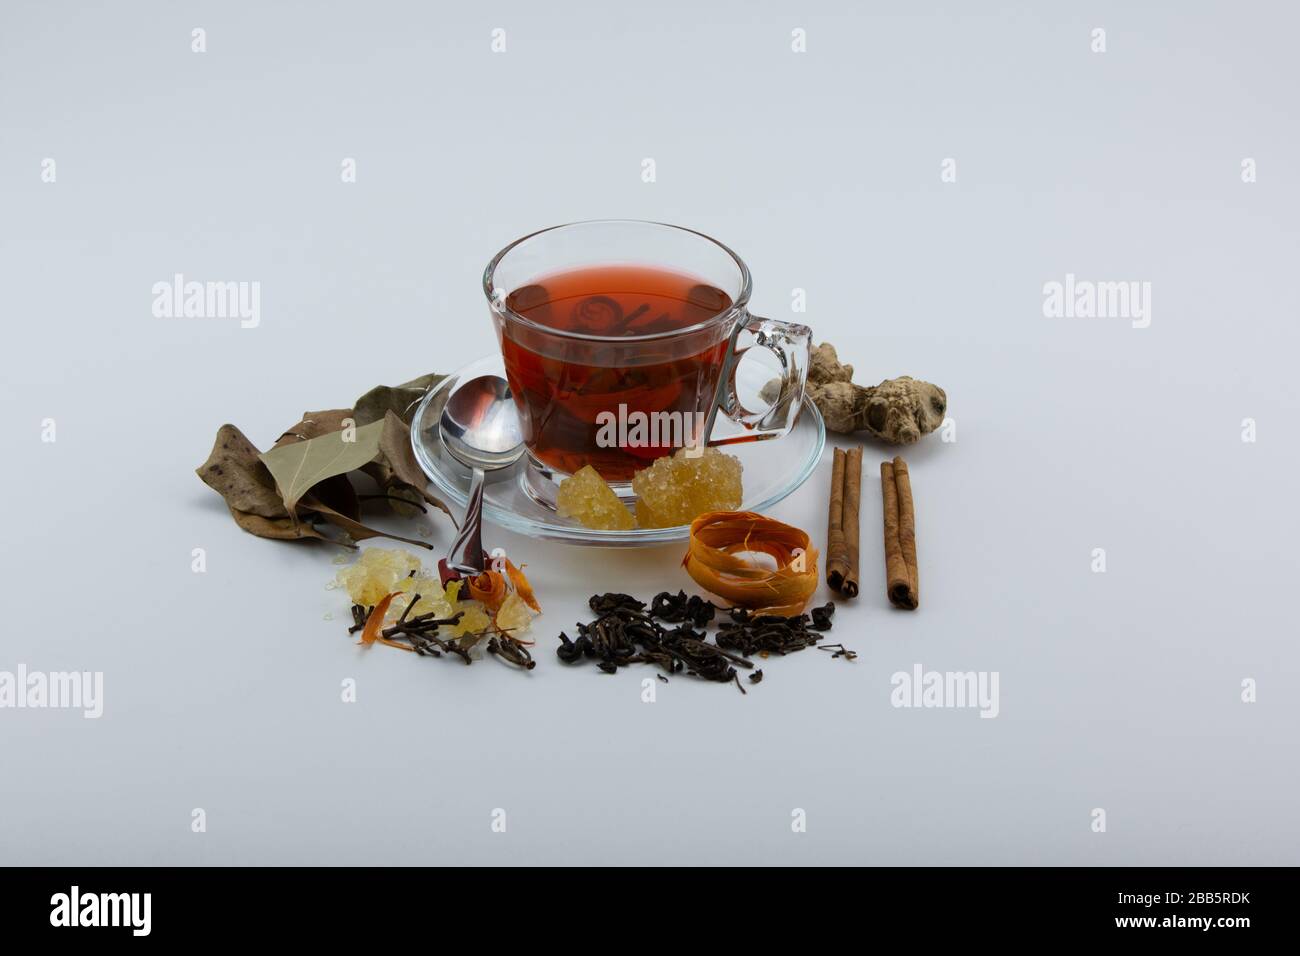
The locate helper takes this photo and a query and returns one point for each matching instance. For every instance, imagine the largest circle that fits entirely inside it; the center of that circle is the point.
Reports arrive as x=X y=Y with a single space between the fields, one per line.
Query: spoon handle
x=466 y=552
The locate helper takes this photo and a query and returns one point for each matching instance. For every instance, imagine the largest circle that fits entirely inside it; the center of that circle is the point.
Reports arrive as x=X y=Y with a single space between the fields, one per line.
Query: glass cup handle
x=791 y=343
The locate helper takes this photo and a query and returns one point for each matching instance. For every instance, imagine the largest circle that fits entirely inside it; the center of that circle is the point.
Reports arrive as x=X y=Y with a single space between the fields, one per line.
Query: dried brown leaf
x=279 y=529
x=235 y=472
x=404 y=472
x=304 y=477
x=382 y=476
x=338 y=493
x=301 y=465
x=399 y=399
x=315 y=424
x=356 y=529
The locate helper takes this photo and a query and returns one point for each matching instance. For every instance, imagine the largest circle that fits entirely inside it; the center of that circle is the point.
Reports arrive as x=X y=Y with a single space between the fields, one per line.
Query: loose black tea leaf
x=568 y=651
x=666 y=607
x=821 y=616
x=625 y=633
x=768 y=635
x=675 y=608
x=420 y=634
x=839 y=650
x=607 y=603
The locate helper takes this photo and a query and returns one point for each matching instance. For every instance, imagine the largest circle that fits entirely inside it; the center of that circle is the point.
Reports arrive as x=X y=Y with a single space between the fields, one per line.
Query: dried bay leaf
x=401 y=497
x=382 y=476
x=404 y=471
x=399 y=399
x=356 y=529
x=395 y=444
x=338 y=493
x=315 y=424
x=285 y=493
x=299 y=466
x=394 y=467
x=235 y=471
x=279 y=529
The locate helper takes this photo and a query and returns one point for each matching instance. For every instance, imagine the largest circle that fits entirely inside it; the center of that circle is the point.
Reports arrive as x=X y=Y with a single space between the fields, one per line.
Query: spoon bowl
x=479 y=427
x=479 y=424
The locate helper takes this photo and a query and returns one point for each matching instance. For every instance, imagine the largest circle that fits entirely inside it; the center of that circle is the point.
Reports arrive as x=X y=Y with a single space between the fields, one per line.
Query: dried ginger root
x=898 y=410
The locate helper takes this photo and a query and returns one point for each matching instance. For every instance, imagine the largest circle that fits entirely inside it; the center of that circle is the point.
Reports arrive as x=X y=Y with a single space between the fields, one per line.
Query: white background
x=1119 y=690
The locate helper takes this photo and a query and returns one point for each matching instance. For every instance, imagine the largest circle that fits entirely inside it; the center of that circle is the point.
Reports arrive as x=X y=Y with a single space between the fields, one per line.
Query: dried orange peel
x=522 y=587
x=492 y=587
x=508 y=597
x=488 y=587
x=716 y=560
x=375 y=624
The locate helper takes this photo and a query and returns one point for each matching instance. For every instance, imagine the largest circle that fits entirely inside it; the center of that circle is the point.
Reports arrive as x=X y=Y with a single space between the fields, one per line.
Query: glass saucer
x=772 y=469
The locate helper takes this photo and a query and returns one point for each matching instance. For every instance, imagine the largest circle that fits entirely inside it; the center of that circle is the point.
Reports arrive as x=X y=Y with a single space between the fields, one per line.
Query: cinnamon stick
x=852 y=501
x=837 y=553
x=902 y=577
x=907 y=527
x=842 y=522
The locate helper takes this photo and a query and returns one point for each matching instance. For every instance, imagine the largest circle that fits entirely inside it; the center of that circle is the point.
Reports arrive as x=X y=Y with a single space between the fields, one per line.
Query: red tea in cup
x=635 y=386
x=621 y=341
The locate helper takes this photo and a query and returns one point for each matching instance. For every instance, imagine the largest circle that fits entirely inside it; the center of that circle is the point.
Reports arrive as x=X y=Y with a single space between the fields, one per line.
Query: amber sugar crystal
x=381 y=571
x=673 y=491
x=676 y=490
x=586 y=498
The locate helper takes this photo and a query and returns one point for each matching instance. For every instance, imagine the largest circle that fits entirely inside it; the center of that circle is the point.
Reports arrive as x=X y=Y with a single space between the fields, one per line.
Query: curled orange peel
x=375 y=622
x=493 y=586
x=522 y=587
x=716 y=561
x=488 y=587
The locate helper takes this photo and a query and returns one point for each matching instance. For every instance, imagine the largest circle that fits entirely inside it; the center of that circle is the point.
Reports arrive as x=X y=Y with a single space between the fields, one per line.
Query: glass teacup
x=621 y=340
